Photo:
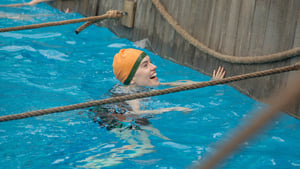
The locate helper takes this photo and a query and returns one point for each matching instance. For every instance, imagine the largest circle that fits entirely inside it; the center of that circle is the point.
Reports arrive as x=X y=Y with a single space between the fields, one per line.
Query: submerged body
x=119 y=115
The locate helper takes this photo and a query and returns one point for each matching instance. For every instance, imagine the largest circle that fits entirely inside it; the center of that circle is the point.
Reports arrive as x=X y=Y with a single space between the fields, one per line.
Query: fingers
x=219 y=73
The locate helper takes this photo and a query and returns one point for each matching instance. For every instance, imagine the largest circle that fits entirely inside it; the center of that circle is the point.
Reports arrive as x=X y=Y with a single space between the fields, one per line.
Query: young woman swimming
x=135 y=70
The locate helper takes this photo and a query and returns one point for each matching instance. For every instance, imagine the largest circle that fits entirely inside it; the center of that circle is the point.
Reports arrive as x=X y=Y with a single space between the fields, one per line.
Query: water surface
x=50 y=67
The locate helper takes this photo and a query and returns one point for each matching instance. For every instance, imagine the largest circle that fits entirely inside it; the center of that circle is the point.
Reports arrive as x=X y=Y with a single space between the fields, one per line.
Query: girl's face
x=145 y=74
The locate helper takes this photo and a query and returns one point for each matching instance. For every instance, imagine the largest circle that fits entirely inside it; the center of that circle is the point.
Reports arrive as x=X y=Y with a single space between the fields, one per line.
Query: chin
x=148 y=82
x=154 y=83
x=151 y=84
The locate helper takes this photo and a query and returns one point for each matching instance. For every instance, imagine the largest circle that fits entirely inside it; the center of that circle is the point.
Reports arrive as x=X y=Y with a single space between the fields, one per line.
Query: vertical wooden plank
x=220 y=17
x=224 y=25
x=174 y=48
x=194 y=20
x=200 y=60
x=101 y=7
x=197 y=24
x=167 y=38
x=93 y=7
x=297 y=30
x=215 y=25
x=66 y=4
x=148 y=14
x=209 y=22
x=175 y=10
x=159 y=32
x=164 y=34
x=244 y=28
x=169 y=41
x=58 y=4
x=139 y=23
x=228 y=44
x=273 y=30
x=185 y=18
x=77 y=6
x=182 y=15
x=290 y=24
x=189 y=53
x=156 y=32
x=169 y=33
x=82 y=7
x=152 y=11
x=258 y=29
x=192 y=9
x=180 y=49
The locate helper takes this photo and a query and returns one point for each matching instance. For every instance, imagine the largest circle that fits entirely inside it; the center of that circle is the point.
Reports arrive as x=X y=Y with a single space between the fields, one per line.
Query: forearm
x=159 y=111
x=15 y=5
x=178 y=83
x=163 y=110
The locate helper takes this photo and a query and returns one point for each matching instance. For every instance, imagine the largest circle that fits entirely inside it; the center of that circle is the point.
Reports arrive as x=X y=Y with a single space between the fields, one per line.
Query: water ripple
x=31 y=36
x=14 y=48
x=53 y=54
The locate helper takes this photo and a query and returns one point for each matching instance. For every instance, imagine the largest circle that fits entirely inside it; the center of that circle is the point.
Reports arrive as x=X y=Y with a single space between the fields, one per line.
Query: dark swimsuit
x=113 y=116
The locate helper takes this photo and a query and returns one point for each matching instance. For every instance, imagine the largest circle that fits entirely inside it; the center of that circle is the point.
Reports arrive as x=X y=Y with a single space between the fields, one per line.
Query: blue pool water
x=50 y=67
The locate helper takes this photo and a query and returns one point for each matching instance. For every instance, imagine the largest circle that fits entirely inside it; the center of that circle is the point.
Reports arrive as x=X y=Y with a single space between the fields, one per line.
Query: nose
x=153 y=67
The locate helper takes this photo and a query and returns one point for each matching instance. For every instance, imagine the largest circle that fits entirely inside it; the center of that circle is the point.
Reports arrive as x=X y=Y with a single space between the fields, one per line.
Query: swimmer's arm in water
x=136 y=109
x=15 y=5
x=217 y=74
x=31 y=3
x=163 y=110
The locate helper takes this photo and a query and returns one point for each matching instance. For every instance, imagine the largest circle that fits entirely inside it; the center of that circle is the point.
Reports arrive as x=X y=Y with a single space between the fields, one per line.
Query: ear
x=132 y=81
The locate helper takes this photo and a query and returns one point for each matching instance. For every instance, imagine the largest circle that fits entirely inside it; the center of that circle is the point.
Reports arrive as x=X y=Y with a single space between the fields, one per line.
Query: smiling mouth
x=153 y=76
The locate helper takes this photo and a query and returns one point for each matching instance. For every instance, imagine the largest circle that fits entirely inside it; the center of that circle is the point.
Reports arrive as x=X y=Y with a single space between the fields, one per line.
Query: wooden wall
x=239 y=27
x=233 y=27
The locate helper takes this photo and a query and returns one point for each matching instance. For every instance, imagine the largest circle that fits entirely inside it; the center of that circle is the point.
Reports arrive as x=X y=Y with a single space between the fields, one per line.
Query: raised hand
x=219 y=73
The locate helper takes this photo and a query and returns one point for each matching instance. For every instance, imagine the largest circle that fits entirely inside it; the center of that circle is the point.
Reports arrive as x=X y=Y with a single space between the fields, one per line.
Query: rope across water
x=151 y=93
x=93 y=19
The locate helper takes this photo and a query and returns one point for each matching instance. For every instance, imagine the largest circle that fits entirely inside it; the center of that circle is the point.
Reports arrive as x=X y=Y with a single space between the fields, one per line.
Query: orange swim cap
x=126 y=63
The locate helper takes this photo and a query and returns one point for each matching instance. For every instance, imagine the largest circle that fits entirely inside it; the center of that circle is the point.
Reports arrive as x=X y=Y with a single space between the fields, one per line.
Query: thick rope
x=92 y=19
x=85 y=25
x=287 y=97
x=227 y=58
x=89 y=23
x=151 y=93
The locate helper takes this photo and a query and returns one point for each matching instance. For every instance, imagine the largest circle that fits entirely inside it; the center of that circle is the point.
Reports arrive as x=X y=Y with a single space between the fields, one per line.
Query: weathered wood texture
x=234 y=27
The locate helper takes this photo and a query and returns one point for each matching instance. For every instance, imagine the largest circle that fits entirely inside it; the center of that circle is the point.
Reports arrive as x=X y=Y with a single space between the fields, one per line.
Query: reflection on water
x=138 y=145
x=134 y=130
